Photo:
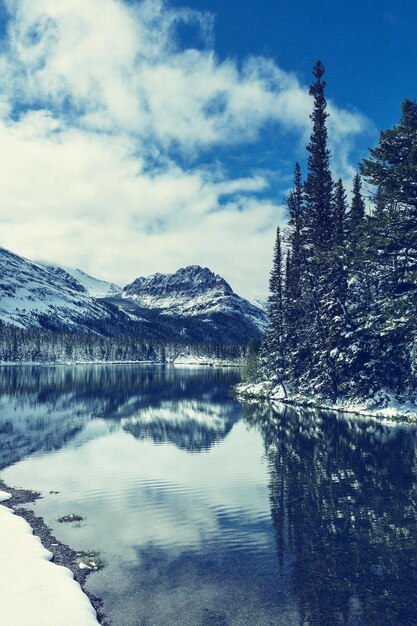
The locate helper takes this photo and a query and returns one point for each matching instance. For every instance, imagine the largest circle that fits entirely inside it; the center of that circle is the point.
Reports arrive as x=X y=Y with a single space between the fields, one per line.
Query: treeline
x=343 y=288
x=37 y=346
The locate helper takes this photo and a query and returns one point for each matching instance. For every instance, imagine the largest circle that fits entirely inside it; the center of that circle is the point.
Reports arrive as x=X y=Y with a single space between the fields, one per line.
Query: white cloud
x=88 y=178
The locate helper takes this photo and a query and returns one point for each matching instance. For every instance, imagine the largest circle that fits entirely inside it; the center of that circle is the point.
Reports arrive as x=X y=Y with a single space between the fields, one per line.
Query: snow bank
x=34 y=591
x=4 y=496
x=192 y=361
x=382 y=405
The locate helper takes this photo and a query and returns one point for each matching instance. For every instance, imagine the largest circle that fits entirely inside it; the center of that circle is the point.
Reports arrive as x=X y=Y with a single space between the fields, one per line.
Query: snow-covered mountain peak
x=196 y=292
x=188 y=281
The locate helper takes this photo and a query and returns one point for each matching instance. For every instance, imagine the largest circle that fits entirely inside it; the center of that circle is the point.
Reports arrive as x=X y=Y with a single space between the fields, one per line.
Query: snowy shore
x=382 y=405
x=36 y=591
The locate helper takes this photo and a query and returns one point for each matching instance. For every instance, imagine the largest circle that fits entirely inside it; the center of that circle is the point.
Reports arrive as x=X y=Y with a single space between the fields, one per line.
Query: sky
x=143 y=136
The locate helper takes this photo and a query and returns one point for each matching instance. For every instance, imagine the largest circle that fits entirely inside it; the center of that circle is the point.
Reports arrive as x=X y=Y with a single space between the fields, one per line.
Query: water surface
x=209 y=512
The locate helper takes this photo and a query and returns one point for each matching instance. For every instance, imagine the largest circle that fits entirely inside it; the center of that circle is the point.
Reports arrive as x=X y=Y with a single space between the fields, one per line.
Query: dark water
x=209 y=512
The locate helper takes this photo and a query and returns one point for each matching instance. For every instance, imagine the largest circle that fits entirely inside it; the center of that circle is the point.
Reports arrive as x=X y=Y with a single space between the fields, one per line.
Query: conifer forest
x=343 y=287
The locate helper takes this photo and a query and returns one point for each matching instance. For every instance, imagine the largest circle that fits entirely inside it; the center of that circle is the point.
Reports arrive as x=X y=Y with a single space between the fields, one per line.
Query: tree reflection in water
x=343 y=502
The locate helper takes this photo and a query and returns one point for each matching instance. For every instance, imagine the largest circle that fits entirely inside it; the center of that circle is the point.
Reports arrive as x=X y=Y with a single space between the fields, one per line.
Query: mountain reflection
x=344 y=503
x=192 y=425
x=42 y=408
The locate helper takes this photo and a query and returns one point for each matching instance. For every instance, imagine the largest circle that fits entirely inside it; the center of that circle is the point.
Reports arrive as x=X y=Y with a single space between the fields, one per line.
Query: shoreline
x=393 y=411
x=162 y=363
x=63 y=554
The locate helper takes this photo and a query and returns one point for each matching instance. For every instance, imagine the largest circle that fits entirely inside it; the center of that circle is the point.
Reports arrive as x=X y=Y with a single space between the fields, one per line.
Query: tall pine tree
x=357 y=210
x=295 y=324
x=275 y=334
x=340 y=214
x=320 y=234
x=318 y=186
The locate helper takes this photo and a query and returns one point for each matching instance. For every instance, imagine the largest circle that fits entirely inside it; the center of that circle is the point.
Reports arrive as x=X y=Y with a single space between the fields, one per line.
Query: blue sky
x=369 y=48
x=144 y=136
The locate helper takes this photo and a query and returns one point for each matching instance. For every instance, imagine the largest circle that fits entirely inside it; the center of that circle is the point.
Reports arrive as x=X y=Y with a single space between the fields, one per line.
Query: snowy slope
x=94 y=287
x=34 y=296
x=197 y=295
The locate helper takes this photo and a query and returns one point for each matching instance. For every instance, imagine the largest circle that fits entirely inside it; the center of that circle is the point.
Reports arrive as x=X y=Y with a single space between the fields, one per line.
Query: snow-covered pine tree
x=357 y=209
x=379 y=203
x=392 y=251
x=357 y=376
x=274 y=340
x=340 y=214
x=296 y=221
x=337 y=316
x=320 y=229
x=296 y=320
x=319 y=185
x=392 y=165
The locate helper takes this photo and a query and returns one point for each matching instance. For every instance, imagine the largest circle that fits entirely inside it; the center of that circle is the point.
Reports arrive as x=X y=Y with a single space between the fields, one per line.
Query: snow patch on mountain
x=94 y=287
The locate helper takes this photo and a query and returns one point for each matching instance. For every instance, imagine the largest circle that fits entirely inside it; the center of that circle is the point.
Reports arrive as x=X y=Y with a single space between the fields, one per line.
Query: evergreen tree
x=296 y=335
x=357 y=209
x=392 y=165
x=319 y=259
x=340 y=214
x=252 y=369
x=339 y=260
x=275 y=333
x=379 y=203
x=295 y=204
x=289 y=286
x=318 y=186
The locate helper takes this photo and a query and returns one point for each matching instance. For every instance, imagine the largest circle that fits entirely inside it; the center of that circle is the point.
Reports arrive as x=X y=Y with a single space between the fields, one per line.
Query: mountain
x=35 y=296
x=94 y=287
x=194 y=303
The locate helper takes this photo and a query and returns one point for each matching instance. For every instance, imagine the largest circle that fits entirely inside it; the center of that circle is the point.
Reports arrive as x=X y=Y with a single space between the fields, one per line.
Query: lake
x=211 y=512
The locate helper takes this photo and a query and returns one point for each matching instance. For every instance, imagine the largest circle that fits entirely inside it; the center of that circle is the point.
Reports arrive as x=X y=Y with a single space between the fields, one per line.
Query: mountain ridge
x=94 y=287
x=35 y=296
x=193 y=304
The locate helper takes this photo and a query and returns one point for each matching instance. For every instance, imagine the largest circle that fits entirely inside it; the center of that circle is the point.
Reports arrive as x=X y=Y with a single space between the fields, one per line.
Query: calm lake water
x=213 y=513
